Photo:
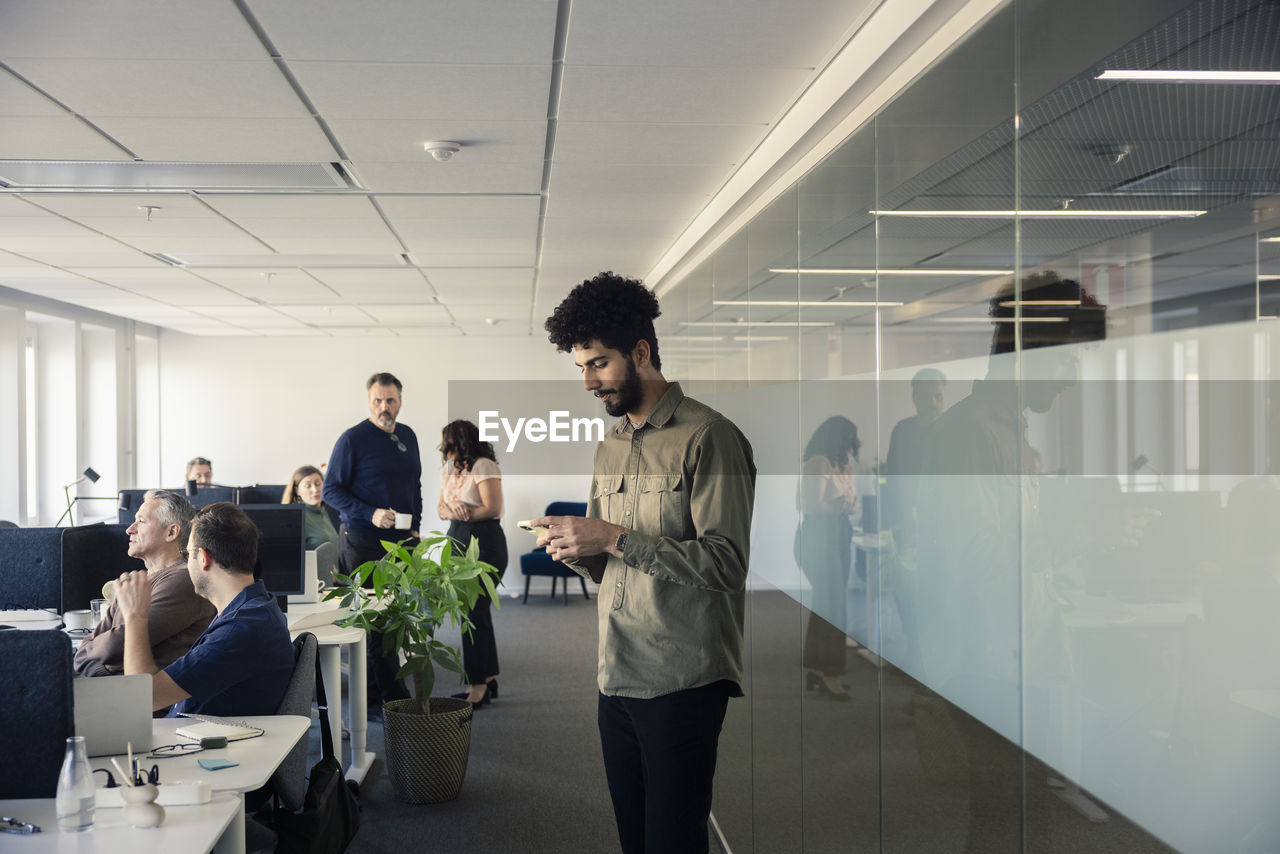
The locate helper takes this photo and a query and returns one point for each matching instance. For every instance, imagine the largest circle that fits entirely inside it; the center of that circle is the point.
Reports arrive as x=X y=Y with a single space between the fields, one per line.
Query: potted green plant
x=415 y=593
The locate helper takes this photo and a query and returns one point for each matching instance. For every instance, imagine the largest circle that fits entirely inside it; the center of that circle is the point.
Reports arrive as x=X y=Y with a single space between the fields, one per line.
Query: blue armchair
x=537 y=562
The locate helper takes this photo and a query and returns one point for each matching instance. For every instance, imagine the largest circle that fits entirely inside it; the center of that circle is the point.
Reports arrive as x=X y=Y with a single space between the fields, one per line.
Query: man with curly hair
x=666 y=535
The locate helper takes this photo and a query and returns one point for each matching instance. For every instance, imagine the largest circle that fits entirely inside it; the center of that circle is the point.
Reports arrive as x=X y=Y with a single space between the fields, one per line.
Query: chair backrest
x=36 y=714
x=567 y=508
x=289 y=782
x=326 y=562
x=92 y=555
x=31 y=568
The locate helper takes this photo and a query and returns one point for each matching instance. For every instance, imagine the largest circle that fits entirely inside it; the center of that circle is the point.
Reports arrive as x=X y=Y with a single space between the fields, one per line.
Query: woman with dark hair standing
x=304 y=488
x=824 y=549
x=471 y=500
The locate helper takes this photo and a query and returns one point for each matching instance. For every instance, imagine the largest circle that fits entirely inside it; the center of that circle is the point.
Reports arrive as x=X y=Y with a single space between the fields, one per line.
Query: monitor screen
x=260 y=493
x=281 y=546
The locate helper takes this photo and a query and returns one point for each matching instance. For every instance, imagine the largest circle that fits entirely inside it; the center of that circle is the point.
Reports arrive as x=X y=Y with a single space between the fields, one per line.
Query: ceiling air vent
x=35 y=175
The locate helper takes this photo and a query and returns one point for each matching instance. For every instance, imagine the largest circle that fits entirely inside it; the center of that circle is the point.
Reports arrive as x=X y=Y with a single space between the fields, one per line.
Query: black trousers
x=384 y=665
x=480 y=648
x=660 y=761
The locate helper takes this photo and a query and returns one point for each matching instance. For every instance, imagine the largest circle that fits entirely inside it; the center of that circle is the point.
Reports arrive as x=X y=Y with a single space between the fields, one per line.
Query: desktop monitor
x=260 y=493
x=281 y=546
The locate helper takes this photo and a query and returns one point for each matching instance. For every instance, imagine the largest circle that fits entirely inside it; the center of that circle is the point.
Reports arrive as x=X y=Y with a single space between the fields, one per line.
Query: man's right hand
x=384 y=518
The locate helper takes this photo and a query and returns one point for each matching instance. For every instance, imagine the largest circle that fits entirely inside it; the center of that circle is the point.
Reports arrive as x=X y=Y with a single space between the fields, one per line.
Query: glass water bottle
x=76 y=797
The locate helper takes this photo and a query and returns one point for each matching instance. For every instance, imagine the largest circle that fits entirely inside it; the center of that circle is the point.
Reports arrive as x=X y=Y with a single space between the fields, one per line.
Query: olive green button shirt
x=671 y=608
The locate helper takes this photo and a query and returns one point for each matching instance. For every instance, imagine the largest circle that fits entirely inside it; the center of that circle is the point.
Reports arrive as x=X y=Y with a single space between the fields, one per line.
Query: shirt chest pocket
x=659 y=505
x=607 y=491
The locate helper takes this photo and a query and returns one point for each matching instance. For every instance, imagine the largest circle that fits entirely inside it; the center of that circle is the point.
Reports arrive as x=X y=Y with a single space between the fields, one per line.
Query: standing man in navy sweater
x=375 y=474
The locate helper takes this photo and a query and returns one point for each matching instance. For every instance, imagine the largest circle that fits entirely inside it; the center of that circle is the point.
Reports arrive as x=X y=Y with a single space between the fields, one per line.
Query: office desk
x=318 y=619
x=258 y=759
x=195 y=829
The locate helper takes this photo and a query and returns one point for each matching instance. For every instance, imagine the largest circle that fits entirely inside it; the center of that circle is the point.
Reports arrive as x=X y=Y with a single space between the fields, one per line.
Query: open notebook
x=208 y=726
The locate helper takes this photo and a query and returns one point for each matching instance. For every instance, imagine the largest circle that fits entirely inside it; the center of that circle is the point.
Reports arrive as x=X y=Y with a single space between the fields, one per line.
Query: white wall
x=261 y=407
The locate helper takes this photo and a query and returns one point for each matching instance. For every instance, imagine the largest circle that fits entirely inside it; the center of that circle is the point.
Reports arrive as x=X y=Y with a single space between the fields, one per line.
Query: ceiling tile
x=401 y=140
x=19 y=99
x=678 y=33
x=54 y=138
x=451 y=177
x=276 y=206
x=220 y=140
x=327 y=315
x=482 y=279
x=165 y=88
x=673 y=209
x=152 y=29
x=679 y=94
x=478 y=31
x=410 y=315
x=719 y=145
x=76 y=205
x=388 y=90
x=500 y=237
x=457 y=207
x=406 y=285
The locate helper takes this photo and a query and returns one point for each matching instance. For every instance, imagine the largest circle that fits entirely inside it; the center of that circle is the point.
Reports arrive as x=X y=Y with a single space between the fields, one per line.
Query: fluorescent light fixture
x=1000 y=319
x=755 y=323
x=791 y=303
x=1269 y=277
x=684 y=338
x=1269 y=240
x=871 y=271
x=1053 y=213
x=1012 y=303
x=758 y=338
x=1146 y=76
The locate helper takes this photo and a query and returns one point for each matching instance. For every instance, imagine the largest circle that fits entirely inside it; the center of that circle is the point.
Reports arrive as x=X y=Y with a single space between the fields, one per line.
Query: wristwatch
x=622 y=541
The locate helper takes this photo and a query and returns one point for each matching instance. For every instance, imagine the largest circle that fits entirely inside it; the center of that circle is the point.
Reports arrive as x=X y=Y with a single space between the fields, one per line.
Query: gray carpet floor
x=535 y=780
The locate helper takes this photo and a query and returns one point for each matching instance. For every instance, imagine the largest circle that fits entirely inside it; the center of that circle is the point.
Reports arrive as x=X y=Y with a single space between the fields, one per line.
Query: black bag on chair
x=330 y=815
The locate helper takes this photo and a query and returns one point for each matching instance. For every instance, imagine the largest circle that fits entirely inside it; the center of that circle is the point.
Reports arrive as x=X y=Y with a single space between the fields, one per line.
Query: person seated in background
x=200 y=470
x=305 y=487
x=242 y=663
x=177 y=616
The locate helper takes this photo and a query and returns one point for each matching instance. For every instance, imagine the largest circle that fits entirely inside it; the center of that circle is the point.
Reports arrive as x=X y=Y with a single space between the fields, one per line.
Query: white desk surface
x=189 y=829
x=258 y=758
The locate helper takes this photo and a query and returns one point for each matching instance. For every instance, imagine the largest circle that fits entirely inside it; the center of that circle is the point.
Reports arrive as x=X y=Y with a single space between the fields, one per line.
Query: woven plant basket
x=427 y=754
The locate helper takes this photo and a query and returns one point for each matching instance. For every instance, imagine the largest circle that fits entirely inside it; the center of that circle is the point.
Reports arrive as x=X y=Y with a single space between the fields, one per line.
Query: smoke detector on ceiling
x=441 y=149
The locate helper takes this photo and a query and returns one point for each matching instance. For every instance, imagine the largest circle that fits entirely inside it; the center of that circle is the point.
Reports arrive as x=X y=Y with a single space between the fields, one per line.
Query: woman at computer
x=471 y=501
x=304 y=488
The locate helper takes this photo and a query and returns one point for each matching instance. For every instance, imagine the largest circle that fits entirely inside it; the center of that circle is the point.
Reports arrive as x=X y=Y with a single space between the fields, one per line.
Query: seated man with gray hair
x=178 y=616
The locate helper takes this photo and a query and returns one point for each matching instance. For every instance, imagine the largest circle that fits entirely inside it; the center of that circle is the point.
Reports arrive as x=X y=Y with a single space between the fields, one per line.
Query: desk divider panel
x=36 y=715
x=92 y=555
x=30 y=568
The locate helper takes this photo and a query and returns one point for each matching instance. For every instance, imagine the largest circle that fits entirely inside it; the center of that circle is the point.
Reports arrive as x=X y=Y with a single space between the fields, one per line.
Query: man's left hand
x=133 y=595
x=571 y=537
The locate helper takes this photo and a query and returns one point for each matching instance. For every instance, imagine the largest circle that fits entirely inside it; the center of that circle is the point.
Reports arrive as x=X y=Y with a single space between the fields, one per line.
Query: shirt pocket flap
x=607 y=484
x=659 y=483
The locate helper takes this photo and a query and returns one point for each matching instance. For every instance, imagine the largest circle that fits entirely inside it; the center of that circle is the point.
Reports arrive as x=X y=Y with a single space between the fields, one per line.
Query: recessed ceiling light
x=791 y=303
x=1000 y=319
x=1052 y=213
x=1012 y=303
x=755 y=323
x=1269 y=277
x=871 y=271
x=1270 y=240
x=1147 y=76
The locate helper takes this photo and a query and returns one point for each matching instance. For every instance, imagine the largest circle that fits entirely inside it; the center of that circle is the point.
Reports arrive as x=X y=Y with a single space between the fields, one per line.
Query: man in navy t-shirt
x=242 y=663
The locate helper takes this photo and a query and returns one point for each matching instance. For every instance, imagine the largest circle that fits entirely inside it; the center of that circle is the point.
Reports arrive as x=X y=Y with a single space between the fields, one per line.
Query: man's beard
x=386 y=419
x=626 y=395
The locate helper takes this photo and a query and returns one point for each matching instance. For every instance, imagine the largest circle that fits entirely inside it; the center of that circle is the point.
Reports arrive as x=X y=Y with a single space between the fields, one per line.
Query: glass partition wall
x=1005 y=361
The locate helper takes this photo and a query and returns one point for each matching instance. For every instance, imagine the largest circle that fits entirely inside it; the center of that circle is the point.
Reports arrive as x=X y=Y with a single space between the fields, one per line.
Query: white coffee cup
x=403 y=521
x=80 y=619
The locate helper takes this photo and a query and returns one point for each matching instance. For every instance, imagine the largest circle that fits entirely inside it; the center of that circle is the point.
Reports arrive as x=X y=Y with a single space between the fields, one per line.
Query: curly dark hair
x=463 y=438
x=610 y=308
x=1077 y=314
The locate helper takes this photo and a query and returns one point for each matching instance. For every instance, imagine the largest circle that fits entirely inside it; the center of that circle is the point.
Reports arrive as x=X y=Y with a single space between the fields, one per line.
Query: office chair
x=537 y=562
x=289 y=782
x=36 y=716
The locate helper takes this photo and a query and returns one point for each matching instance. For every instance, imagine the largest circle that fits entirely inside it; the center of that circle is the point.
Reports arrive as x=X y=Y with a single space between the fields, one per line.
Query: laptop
x=112 y=712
